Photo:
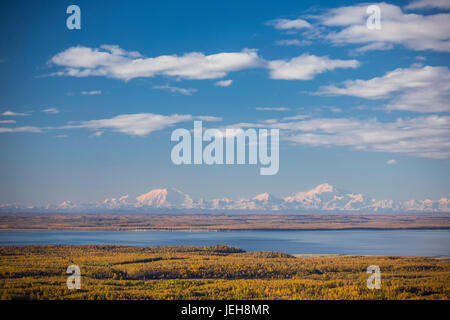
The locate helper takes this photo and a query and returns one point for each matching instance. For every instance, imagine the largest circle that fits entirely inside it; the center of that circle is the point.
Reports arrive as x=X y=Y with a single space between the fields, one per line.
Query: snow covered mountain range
x=323 y=198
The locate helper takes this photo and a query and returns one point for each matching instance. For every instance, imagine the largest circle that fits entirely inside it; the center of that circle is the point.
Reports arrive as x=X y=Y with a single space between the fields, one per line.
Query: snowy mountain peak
x=165 y=198
x=66 y=205
x=322 y=188
x=267 y=197
x=323 y=197
x=116 y=203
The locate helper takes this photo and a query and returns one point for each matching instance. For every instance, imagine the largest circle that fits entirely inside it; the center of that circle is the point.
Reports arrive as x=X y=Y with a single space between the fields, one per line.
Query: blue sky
x=364 y=98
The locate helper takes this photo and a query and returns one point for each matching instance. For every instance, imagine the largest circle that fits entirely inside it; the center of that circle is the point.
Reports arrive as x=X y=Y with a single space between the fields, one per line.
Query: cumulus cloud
x=418 y=89
x=347 y=25
x=139 y=124
x=114 y=62
x=187 y=92
x=424 y=137
x=117 y=63
x=306 y=66
x=428 y=4
x=286 y=24
x=51 y=111
x=223 y=83
x=91 y=93
x=14 y=114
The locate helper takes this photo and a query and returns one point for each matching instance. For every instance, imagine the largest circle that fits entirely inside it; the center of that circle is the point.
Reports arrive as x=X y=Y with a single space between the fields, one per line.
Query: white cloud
x=116 y=50
x=418 y=89
x=306 y=66
x=428 y=4
x=84 y=61
x=285 y=24
x=208 y=118
x=374 y=46
x=293 y=42
x=92 y=92
x=139 y=124
x=332 y=109
x=391 y=162
x=187 y=92
x=51 y=111
x=21 y=129
x=347 y=25
x=61 y=136
x=272 y=108
x=114 y=62
x=297 y=117
x=424 y=137
x=223 y=83
x=14 y=114
x=7 y=121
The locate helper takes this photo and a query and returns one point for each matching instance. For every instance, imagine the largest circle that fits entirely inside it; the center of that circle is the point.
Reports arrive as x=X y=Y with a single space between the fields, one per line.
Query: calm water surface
x=434 y=242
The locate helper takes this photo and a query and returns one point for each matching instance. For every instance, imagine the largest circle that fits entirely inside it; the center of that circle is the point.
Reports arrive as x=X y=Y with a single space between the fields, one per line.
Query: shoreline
x=222 y=223
x=169 y=229
x=296 y=255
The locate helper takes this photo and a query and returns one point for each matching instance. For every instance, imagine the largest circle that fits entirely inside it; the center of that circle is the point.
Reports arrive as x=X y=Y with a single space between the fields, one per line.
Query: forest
x=217 y=272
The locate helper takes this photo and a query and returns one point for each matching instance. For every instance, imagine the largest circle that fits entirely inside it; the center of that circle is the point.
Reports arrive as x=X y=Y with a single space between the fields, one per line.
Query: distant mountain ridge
x=323 y=197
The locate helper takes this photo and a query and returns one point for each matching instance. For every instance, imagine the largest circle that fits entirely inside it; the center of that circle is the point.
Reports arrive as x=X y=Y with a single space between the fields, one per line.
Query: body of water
x=435 y=242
